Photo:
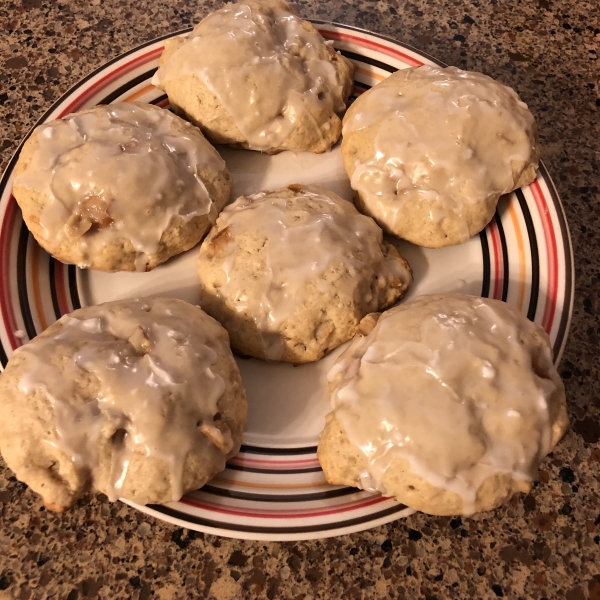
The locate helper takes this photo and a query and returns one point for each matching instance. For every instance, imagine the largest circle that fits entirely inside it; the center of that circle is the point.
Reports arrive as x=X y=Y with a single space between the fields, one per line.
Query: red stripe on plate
x=6 y=305
x=365 y=43
x=288 y=514
x=498 y=263
x=104 y=81
x=552 y=254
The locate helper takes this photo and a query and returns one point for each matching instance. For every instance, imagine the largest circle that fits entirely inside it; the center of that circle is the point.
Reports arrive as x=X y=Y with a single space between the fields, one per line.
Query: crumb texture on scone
x=121 y=187
x=256 y=75
x=291 y=273
x=449 y=405
x=430 y=150
x=139 y=399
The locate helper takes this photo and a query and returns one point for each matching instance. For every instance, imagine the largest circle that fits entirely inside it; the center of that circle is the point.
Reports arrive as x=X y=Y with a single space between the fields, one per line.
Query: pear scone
x=121 y=187
x=291 y=273
x=449 y=405
x=256 y=75
x=138 y=399
x=430 y=150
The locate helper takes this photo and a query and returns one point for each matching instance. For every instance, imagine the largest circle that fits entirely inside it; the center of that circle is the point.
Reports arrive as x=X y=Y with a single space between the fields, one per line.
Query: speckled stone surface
x=544 y=545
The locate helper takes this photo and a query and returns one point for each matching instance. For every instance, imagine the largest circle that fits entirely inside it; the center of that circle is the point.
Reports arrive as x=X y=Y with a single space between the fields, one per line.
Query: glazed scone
x=139 y=399
x=291 y=273
x=121 y=187
x=430 y=150
x=449 y=405
x=255 y=75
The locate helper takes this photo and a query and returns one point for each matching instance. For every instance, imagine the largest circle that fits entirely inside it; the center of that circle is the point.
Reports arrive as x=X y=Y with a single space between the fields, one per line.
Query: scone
x=449 y=405
x=121 y=187
x=138 y=399
x=431 y=150
x=255 y=75
x=291 y=273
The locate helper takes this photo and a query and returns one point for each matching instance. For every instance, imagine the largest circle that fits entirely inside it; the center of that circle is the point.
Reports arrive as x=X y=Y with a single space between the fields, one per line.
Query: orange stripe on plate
x=277 y=486
x=35 y=277
x=515 y=221
x=371 y=73
x=139 y=93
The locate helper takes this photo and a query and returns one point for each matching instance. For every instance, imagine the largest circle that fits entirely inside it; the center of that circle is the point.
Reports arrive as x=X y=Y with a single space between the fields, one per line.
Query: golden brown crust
x=193 y=100
x=416 y=224
x=180 y=235
x=343 y=462
x=28 y=430
x=324 y=320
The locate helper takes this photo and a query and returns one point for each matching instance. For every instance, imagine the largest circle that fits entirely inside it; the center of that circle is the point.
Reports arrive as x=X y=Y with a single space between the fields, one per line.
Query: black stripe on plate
x=278 y=451
x=368 y=60
x=3 y=357
x=485 y=251
x=504 y=255
x=535 y=258
x=274 y=471
x=73 y=292
x=22 y=282
x=51 y=274
x=354 y=96
x=159 y=99
x=568 y=250
x=127 y=86
x=166 y=510
x=216 y=491
x=362 y=85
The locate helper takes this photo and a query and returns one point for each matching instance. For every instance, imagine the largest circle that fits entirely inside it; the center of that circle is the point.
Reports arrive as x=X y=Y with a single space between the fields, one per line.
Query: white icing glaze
x=156 y=390
x=300 y=245
x=446 y=383
x=448 y=137
x=118 y=171
x=263 y=65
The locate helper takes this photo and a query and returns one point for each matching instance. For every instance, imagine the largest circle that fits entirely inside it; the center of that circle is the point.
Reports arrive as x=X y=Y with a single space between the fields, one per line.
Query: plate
x=274 y=489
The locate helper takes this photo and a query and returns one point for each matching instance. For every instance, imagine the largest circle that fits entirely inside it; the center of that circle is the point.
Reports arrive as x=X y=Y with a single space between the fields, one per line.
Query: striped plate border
x=274 y=493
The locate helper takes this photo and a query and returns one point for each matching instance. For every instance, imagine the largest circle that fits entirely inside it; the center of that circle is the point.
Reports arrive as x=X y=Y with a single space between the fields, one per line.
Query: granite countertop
x=543 y=545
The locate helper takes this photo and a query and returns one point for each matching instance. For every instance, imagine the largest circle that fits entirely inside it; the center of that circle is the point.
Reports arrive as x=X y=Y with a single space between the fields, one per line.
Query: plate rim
x=367 y=524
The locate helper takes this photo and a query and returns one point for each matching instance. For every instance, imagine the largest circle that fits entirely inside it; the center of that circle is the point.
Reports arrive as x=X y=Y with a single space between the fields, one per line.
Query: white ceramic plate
x=275 y=488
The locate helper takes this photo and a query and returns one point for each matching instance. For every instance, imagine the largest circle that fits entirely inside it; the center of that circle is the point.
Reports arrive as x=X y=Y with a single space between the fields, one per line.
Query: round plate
x=274 y=489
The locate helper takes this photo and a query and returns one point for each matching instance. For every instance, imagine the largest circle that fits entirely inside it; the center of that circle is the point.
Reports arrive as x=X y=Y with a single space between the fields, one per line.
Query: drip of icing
x=150 y=382
x=263 y=64
x=304 y=237
x=118 y=171
x=447 y=384
x=449 y=137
